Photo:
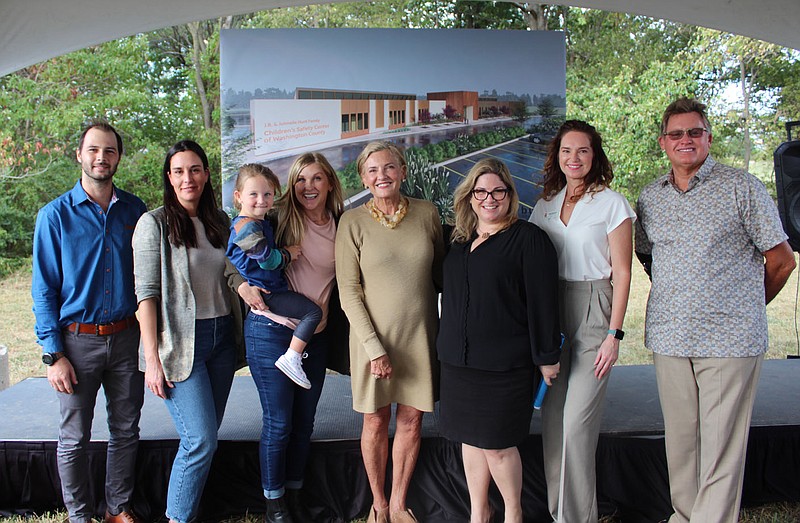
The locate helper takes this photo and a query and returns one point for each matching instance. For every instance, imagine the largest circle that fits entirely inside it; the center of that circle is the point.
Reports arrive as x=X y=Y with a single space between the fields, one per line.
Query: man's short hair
x=685 y=105
x=103 y=126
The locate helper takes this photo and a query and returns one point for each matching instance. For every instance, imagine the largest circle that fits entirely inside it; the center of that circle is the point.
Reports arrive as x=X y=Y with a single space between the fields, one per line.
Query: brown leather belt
x=107 y=329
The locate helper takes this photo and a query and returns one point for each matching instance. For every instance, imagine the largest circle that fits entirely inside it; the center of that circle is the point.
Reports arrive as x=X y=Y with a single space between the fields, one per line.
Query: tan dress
x=386 y=284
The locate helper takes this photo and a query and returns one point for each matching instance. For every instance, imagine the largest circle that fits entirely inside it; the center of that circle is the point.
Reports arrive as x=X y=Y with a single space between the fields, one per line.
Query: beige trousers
x=573 y=408
x=707 y=405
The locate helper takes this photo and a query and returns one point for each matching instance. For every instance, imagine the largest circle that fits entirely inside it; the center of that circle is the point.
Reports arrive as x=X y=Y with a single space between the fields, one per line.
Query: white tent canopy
x=35 y=30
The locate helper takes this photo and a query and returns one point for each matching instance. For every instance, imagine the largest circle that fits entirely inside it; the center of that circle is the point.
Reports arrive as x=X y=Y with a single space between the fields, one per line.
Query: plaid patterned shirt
x=707 y=293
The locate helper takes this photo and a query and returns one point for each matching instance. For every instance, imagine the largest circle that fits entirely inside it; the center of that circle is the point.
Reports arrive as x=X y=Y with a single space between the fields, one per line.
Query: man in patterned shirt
x=710 y=239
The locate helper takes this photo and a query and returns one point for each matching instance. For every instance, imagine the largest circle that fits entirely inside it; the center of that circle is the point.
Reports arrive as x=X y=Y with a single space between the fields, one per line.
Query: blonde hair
x=291 y=222
x=251 y=170
x=466 y=220
x=374 y=147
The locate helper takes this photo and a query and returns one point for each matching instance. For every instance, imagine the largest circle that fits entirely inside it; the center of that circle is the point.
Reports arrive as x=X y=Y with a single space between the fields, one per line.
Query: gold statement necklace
x=390 y=221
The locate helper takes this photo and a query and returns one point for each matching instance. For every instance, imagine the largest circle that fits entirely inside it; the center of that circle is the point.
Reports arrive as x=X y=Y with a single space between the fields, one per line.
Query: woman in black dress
x=499 y=323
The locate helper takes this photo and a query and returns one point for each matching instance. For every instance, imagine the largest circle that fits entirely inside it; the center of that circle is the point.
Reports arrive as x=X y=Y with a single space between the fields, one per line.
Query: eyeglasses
x=498 y=195
x=695 y=132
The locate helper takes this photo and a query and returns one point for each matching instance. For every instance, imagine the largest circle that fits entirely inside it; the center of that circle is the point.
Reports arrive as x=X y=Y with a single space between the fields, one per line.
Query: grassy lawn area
x=780 y=316
x=16 y=332
x=773 y=513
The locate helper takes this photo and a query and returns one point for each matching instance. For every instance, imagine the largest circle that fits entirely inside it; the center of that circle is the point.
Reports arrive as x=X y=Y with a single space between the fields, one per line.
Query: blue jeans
x=197 y=405
x=293 y=305
x=288 y=410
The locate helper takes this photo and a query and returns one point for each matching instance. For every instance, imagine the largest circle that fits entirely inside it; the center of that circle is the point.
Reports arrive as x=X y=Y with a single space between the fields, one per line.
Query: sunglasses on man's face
x=695 y=132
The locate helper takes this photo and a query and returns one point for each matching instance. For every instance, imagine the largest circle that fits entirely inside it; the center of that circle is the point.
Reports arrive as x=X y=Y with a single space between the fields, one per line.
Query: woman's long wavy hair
x=466 y=220
x=600 y=174
x=179 y=224
x=291 y=216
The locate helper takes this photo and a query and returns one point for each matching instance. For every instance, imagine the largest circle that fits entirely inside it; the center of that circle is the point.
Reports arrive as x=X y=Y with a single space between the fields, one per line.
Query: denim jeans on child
x=293 y=305
x=197 y=405
x=288 y=410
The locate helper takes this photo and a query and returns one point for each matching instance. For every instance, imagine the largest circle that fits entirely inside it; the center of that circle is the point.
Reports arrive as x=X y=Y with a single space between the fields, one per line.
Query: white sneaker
x=293 y=368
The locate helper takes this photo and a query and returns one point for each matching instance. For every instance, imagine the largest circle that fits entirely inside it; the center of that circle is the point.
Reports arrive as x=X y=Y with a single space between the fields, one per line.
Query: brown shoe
x=378 y=515
x=403 y=516
x=126 y=516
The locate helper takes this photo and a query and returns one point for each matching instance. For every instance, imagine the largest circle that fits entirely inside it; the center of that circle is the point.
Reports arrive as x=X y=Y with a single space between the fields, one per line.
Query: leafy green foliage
x=622 y=72
x=157 y=88
x=429 y=183
x=12 y=265
x=349 y=178
x=43 y=109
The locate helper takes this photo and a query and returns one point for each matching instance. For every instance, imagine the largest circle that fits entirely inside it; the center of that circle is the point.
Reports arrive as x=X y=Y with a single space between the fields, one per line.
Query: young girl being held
x=252 y=250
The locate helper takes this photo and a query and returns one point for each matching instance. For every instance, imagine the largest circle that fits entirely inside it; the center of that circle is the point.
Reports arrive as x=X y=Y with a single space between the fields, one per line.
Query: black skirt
x=486 y=409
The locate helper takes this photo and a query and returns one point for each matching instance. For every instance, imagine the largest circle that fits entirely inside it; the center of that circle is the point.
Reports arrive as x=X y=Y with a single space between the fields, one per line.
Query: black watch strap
x=49 y=358
x=617 y=333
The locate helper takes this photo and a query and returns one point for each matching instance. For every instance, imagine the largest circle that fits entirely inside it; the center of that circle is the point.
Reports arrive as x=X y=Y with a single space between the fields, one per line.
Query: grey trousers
x=113 y=362
x=707 y=405
x=573 y=408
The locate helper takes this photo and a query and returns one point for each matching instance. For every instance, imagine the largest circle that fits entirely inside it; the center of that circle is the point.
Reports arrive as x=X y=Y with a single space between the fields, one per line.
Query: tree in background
x=449 y=112
x=546 y=109
x=519 y=113
x=50 y=102
x=622 y=70
x=749 y=64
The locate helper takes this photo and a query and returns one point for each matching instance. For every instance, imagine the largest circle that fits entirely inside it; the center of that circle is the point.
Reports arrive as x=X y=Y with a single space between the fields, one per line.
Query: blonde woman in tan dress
x=388 y=267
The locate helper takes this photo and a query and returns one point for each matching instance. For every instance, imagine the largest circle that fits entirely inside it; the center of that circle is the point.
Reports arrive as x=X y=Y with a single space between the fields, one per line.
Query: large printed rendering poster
x=449 y=97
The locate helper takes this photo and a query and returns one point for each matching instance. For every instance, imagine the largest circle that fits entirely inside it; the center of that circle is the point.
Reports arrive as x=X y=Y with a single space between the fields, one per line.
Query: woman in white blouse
x=591 y=228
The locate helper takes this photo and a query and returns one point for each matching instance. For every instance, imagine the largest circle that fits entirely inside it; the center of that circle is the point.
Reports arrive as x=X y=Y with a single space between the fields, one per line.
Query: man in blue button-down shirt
x=84 y=303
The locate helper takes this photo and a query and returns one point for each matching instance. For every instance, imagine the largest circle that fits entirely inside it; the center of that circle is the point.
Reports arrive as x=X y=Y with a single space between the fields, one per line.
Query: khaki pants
x=573 y=408
x=707 y=405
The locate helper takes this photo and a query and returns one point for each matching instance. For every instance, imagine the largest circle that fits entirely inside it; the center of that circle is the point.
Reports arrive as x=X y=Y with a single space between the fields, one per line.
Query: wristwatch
x=617 y=333
x=48 y=358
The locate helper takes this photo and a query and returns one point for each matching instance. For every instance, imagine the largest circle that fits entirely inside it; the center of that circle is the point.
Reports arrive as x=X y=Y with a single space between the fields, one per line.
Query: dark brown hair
x=600 y=174
x=103 y=126
x=181 y=230
x=683 y=106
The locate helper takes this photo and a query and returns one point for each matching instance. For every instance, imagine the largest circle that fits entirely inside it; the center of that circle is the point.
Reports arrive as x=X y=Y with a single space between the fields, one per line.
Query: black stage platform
x=632 y=475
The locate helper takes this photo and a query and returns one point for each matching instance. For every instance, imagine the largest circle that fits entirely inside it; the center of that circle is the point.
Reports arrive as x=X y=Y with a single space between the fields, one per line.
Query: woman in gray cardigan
x=190 y=317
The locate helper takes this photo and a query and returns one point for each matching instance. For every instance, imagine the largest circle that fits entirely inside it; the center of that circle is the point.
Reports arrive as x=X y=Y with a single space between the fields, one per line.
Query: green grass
x=772 y=513
x=780 y=319
x=16 y=332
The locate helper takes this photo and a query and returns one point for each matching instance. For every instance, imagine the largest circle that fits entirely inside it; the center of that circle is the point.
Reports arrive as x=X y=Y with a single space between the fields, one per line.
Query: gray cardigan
x=161 y=271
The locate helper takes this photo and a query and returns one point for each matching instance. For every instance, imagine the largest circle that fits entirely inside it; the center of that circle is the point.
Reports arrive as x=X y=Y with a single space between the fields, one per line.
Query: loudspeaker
x=787 y=177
